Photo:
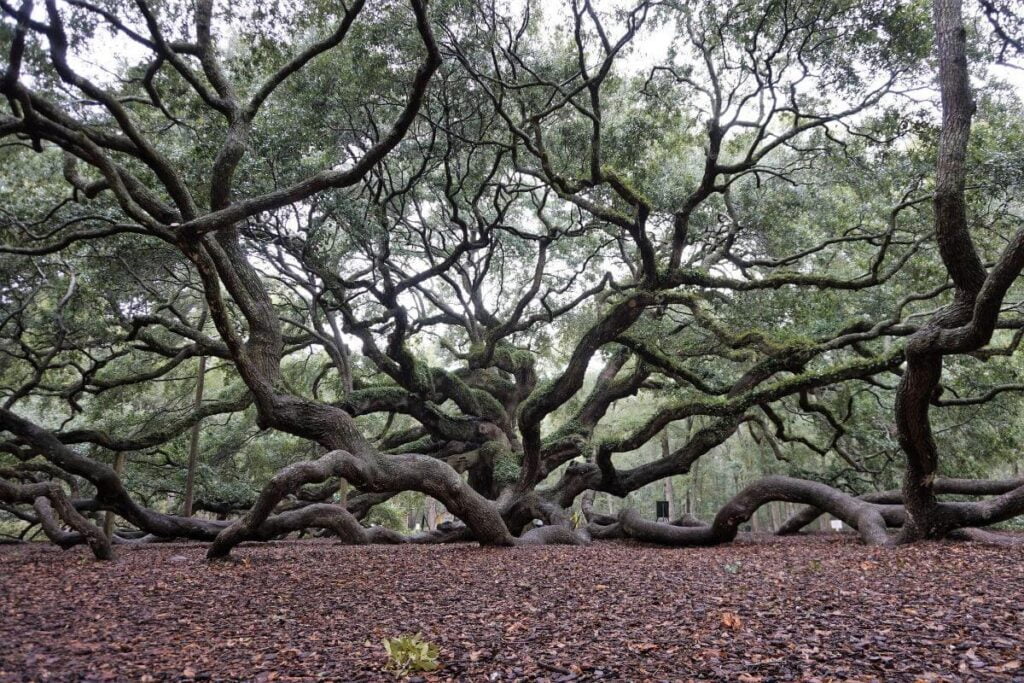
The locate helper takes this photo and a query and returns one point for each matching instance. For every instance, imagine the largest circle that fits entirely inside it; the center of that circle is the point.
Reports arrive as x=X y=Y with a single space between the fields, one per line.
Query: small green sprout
x=733 y=567
x=410 y=653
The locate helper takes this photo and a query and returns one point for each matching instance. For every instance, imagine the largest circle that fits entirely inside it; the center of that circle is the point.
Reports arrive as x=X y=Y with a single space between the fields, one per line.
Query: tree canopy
x=295 y=265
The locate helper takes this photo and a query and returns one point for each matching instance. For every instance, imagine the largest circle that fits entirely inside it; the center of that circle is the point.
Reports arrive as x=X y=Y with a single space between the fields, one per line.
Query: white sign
x=836 y=525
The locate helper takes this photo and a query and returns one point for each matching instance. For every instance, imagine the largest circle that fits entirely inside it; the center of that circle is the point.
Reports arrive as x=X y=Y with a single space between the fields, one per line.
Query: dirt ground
x=819 y=608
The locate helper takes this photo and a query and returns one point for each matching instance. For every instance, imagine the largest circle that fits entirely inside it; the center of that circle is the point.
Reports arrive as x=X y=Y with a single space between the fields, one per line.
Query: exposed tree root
x=260 y=524
x=689 y=520
x=48 y=497
x=605 y=527
x=864 y=517
x=378 y=476
x=983 y=513
x=943 y=485
x=984 y=536
x=487 y=521
x=444 y=533
x=554 y=535
x=110 y=492
x=257 y=523
x=605 y=532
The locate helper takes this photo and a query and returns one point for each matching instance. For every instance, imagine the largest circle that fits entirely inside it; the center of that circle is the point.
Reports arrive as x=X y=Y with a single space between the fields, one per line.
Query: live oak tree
x=429 y=249
x=968 y=322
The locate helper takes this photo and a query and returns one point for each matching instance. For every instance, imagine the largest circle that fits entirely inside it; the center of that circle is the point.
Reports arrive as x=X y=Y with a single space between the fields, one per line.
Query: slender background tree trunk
x=108 y=519
x=193 y=445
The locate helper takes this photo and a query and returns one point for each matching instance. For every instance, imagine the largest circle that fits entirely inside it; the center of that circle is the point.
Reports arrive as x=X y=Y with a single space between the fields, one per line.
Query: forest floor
x=816 y=608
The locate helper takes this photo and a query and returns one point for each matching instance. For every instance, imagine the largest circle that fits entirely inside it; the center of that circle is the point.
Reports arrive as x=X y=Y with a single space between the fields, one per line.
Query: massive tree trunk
x=968 y=322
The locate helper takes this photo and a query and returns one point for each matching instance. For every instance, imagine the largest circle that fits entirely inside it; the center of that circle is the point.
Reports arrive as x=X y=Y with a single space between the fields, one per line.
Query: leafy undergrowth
x=814 y=608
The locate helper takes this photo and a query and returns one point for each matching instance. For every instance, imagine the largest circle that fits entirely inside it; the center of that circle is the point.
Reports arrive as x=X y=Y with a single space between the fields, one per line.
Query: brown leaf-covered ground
x=815 y=608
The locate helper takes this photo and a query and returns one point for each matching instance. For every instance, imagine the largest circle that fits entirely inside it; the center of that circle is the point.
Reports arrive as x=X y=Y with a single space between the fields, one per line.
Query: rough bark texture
x=968 y=322
x=860 y=515
x=49 y=497
x=257 y=523
x=942 y=485
x=248 y=321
